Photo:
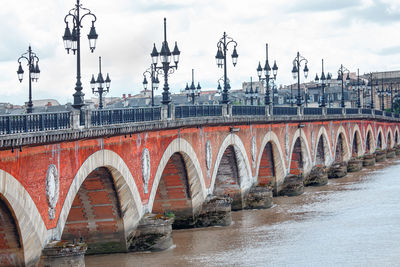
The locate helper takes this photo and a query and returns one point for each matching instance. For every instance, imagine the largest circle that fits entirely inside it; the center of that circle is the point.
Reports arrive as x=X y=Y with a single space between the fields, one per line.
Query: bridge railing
x=34 y=122
x=248 y=110
x=334 y=111
x=378 y=112
x=351 y=111
x=366 y=111
x=312 y=111
x=125 y=115
x=292 y=111
x=197 y=111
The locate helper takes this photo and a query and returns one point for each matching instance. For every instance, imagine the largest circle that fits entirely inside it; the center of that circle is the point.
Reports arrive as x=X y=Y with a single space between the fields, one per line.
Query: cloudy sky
x=356 y=33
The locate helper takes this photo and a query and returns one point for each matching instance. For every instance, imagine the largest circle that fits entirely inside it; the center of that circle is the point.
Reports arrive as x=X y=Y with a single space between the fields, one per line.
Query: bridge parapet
x=41 y=128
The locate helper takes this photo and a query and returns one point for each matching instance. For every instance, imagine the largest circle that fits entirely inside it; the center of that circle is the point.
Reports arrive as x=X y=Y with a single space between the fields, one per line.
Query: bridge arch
x=342 y=150
x=128 y=198
x=396 y=136
x=357 y=147
x=32 y=230
x=389 y=138
x=380 y=138
x=370 y=144
x=232 y=148
x=181 y=148
x=300 y=147
x=278 y=161
x=322 y=151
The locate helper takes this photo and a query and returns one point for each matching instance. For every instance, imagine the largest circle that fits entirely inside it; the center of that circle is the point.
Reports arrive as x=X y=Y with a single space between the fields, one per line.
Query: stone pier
x=63 y=254
x=317 y=177
x=338 y=170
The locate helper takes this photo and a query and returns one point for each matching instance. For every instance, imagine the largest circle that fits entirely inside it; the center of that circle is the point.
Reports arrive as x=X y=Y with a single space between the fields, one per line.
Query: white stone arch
x=380 y=131
x=322 y=133
x=193 y=169
x=305 y=150
x=245 y=176
x=32 y=230
x=279 y=161
x=389 y=132
x=396 y=130
x=372 y=142
x=128 y=194
x=347 y=154
x=357 y=131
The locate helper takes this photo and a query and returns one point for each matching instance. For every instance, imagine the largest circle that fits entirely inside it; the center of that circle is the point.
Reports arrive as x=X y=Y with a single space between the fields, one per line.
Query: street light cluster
x=71 y=38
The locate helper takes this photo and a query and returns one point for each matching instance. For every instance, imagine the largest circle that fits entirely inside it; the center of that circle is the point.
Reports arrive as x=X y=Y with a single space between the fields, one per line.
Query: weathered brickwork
x=11 y=253
x=266 y=172
x=339 y=152
x=296 y=164
x=95 y=214
x=320 y=158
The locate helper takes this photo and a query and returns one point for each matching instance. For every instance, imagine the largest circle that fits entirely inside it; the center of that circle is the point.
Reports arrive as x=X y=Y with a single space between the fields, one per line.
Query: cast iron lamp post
x=252 y=94
x=222 y=46
x=358 y=89
x=72 y=41
x=325 y=81
x=370 y=88
x=267 y=73
x=154 y=81
x=342 y=70
x=34 y=73
x=296 y=73
x=165 y=58
x=192 y=92
x=103 y=86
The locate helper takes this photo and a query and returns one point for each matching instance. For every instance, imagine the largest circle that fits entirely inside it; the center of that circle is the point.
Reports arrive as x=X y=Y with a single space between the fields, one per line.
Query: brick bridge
x=95 y=174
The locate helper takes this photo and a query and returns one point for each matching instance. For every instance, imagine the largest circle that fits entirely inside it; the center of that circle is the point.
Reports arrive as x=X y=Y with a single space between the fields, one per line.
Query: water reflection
x=352 y=221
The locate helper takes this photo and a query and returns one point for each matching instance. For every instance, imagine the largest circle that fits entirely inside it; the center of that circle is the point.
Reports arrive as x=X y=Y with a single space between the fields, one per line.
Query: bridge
x=96 y=174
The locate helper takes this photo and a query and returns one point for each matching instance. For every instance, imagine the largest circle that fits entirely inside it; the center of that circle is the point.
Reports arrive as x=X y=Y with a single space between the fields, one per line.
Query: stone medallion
x=52 y=189
x=145 y=169
x=253 y=150
x=208 y=155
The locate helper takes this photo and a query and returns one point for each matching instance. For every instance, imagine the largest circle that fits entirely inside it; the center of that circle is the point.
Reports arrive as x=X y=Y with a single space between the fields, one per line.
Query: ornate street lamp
x=192 y=92
x=165 y=58
x=72 y=41
x=370 y=88
x=342 y=70
x=222 y=46
x=267 y=73
x=34 y=73
x=358 y=89
x=153 y=79
x=103 y=86
x=325 y=81
x=296 y=73
x=252 y=94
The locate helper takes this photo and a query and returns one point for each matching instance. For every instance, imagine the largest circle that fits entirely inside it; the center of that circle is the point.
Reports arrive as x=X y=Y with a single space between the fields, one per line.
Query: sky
x=360 y=34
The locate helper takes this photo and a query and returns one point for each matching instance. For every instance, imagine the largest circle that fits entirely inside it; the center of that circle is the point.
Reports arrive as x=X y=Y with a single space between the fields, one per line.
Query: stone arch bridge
x=97 y=179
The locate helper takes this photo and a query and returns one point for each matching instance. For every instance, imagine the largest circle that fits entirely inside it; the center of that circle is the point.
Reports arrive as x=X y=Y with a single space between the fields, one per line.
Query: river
x=352 y=221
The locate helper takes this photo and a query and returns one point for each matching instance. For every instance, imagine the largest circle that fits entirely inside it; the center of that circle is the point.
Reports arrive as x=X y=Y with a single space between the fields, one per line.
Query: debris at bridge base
x=63 y=254
x=259 y=197
x=380 y=155
x=215 y=211
x=354 y=165
x=391 y=153
x=154 y=233
x=293 y=185
x=317 y=177
x=368 y=160
x=337 y=170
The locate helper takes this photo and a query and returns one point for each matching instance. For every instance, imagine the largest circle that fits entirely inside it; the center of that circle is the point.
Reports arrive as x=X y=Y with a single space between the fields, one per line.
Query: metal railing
x=378 y=112
x=351 y=111
x=284 y=111
x=197 y=111
x=34 y=122
x=334 y=111
x=248 y=110
x=366 y=111
x=115 y=116
x=312 y=111
x=388 y=114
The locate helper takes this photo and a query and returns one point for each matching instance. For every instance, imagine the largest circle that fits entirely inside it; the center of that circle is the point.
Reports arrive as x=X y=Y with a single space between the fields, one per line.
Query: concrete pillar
x=75 y=119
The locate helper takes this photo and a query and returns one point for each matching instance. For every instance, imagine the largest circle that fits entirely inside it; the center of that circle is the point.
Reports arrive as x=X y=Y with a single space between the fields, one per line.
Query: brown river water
x=352 y=221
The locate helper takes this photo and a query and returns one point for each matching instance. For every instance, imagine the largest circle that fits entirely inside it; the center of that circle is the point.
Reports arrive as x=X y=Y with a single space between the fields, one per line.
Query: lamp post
x=154 y=81
x=192 y=92
x=103 y=86
x=342 y=70
x=370 y=88
x=381 y=94
x=252 y=94
x=165 y=57
x=267 y=73
x=358 y=89
x=296 y=73
x=72 y=41
x=291 y=95
x=325 y=81
x=222 y=46
x=34 y=73
x=391 y=97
